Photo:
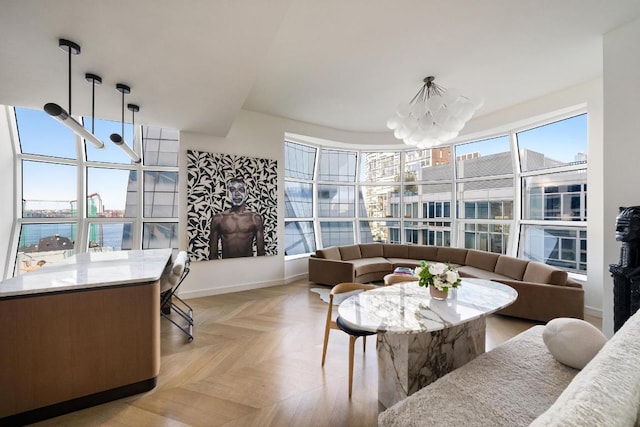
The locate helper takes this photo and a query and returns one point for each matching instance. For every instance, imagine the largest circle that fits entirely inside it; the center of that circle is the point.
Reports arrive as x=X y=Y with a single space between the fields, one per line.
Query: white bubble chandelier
x=435 y=115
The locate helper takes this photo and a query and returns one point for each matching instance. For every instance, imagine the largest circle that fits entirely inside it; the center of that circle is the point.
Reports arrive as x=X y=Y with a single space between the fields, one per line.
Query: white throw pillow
x=573 y=342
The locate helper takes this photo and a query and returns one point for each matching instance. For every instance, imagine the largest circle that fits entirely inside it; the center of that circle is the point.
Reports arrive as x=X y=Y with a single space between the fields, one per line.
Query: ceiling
x=346 y=64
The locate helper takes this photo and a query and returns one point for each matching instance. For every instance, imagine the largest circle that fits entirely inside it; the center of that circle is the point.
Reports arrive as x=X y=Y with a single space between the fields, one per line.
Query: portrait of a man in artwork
x=231 y=206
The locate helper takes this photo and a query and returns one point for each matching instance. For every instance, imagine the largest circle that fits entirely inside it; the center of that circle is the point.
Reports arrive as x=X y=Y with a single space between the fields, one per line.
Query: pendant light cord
x=69 y=81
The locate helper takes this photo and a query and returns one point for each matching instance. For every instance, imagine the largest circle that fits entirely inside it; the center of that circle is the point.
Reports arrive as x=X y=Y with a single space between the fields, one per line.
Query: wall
x=7 y=191
x=622 y=156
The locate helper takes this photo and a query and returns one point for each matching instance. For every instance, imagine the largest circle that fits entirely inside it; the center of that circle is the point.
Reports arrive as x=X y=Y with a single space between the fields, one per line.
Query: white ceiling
x=192 y=65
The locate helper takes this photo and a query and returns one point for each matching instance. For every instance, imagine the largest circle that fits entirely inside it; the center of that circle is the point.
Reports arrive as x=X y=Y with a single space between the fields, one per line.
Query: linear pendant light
x=59 y=113
x=119 y=140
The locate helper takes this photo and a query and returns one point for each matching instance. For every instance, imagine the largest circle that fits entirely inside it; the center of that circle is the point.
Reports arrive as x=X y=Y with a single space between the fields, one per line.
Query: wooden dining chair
x=339 y=324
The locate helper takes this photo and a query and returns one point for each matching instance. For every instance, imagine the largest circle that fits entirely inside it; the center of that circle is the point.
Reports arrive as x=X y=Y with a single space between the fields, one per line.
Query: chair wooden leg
x=364 y=344
x=326 y=341
x=352 y=343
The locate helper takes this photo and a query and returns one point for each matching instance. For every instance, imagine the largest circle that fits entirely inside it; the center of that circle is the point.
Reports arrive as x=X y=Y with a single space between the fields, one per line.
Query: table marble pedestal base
x=409 y=362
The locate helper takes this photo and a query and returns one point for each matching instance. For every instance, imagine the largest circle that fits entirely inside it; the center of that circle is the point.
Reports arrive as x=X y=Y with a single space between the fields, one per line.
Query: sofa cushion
x=371 y=265
x=451 y=255
x=481 y=259
x=573 y=342
x=332 y=252
x=423 y=253
x=543 y=273
x=479 y=273
x=369 y=250
x=511 y=267
x=395 y=251
x=350 y=252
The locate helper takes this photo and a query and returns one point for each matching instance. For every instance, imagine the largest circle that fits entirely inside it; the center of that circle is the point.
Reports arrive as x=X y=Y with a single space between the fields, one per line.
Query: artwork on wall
x=231 y=206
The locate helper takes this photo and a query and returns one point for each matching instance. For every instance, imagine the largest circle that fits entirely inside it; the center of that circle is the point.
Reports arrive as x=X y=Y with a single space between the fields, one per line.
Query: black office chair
x=171 y=280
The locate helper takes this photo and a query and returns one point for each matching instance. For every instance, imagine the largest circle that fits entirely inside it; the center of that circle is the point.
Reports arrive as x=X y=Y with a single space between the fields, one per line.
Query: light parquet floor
x=255 y=361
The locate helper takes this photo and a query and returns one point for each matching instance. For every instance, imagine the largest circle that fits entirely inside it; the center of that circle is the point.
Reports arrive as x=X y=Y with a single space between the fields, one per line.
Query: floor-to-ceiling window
x=522 y=192
x=76 y=197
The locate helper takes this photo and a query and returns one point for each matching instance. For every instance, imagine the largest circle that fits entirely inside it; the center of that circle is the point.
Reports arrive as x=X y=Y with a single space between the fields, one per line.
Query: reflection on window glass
x=335 y=233
x=557 y=196
x=109 y=192
x=48 y=190
x=160 y=235
x=160 y=146
x=299 y=237
x=487 y=199
x=489 y=157
x=336 y=201
x=298 y=200
x=379 y=201
x=337 y=165
x=379 y=166
x=555 y=144
x=161 y=194
x=564 y=247
x=40 y=133
x=106 y=237
x=486 y=237
x=111 y=153
x=42 y=244
x=377 y=231
x=299 y=160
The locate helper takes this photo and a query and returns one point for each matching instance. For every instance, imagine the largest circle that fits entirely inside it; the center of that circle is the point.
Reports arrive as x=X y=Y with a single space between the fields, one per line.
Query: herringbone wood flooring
x=255 y=361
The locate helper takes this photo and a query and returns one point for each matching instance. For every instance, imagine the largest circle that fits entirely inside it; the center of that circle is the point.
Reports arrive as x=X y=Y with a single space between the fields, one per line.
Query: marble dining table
x=421 y=338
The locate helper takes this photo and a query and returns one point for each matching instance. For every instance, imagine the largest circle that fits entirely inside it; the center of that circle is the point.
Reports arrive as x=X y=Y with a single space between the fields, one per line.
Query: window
x=491 y=157
x=562 y=143
x=337 y=166
x=49 y=190
x=562 y=247
x=70 y=204
x=498 y=199
x=299 y=238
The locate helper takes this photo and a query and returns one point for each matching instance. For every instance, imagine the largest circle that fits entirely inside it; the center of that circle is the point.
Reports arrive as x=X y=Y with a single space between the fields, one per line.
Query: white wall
x=7 y=195
x=621 y=159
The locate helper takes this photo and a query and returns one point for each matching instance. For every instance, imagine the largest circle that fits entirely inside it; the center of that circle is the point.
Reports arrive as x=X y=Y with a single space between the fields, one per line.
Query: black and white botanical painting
x=231 y=206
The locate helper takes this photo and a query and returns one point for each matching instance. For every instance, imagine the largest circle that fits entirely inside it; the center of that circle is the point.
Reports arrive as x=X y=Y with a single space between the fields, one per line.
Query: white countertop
x=407 y=308
x=90 y=270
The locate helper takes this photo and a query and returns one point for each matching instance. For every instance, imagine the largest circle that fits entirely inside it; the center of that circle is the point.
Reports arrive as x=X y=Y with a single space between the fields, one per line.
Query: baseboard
x=596 y=312
x=77 y=404
x=229 y=289
x=296 y=277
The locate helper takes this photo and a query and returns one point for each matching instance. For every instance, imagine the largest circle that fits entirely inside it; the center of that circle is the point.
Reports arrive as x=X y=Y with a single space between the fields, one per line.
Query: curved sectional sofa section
x=544 y=292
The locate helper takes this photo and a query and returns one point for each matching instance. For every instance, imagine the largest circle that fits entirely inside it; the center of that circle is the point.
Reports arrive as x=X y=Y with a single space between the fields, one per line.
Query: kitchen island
x=79 y=333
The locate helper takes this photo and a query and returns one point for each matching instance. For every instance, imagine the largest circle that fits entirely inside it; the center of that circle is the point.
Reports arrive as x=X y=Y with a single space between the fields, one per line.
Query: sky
x=560 y=140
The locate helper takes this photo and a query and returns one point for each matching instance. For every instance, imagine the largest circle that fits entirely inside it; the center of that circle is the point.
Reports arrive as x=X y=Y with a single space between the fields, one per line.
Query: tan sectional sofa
x=544 y=292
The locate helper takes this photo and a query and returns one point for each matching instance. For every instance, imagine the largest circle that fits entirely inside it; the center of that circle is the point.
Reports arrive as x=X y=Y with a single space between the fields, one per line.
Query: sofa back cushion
x=481 y=259
x=395 y=251
x=538 y=272
x=452 y=255
x=370 y=250
x=331 y=252
x=350 y=252
x=423 y=253
x=511 y=267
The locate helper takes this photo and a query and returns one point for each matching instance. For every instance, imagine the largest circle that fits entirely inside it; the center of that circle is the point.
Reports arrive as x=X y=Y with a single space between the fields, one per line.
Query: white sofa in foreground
x=520 y=383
